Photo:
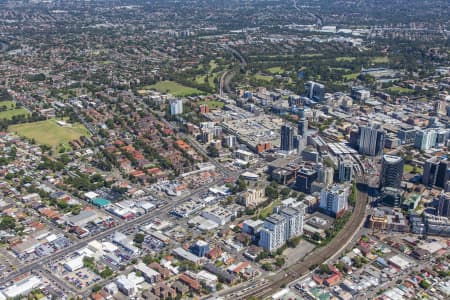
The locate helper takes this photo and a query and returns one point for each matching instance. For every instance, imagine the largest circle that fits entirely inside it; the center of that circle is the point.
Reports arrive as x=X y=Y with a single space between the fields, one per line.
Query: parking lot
x=6 y=264
x=81 y=278
x=43 y=249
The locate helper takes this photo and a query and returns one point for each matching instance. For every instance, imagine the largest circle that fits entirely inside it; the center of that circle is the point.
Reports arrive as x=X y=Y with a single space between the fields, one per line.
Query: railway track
x=316 y=258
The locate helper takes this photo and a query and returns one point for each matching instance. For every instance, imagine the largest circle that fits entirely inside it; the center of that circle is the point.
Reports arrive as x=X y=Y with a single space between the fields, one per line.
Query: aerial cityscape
x=225 y=149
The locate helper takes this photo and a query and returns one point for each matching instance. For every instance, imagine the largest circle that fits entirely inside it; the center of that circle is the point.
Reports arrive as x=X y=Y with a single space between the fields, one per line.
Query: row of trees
x=18 y=119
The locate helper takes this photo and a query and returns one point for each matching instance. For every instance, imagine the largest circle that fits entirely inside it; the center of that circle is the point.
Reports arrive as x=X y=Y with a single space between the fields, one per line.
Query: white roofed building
x=22 y=287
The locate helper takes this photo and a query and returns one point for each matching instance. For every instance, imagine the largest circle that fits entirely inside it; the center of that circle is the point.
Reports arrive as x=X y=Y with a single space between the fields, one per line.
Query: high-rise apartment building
x=436 y=172
x=281 y=227
x=273 y=233
x=287 y=138
x=443 y=208
x=294 y=220
x=371 y=140
x=425 y=139
x=230 y=141
x=391 y=171
x=302 y=125
x=334 y=200
x=176 y=107
x=345 y=170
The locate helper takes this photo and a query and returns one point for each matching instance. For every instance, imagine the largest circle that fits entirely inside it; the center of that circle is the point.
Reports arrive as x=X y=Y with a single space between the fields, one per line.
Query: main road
x=162 y=210
x=267 y=286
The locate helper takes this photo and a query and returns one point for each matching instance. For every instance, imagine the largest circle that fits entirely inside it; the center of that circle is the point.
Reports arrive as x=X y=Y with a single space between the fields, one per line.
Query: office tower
x=359 y=93
x=304 y=180
x=440 y=107
x=302 y=126
x=200 y=248
x=176 y=107
x=345 y=170
x=441 y=137
x=273 y=233
x=436 y=172
x=299 y=143
x=392 y=197
x=430 y=170
x=371 y=140
x=295 y=100
x=391 y=141
x=334 y=200
x=433 y=122
x=406 y=134
x=443 y=208
x=425 y=139
x=443 y=174
x=310 y=154
x=324 y=174
x=315 y=91
x=287 y=138
x=391 y=171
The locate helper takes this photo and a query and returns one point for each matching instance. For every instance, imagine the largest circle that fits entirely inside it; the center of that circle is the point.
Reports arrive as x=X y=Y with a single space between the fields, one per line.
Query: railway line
x=228 y=75
x=316 y=258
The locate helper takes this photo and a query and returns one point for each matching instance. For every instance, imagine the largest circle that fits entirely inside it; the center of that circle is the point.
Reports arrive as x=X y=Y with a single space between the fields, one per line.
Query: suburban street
x=158 y=212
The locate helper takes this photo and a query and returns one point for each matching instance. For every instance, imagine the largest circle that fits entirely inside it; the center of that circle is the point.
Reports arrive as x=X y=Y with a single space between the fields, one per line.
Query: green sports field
x=263 y=77
x=275 y=70
x=48 y=132
x=345 y=58
x=351 y=76
x=399 y=89
x=174 y=88
x=213 y=104
x=380 y=59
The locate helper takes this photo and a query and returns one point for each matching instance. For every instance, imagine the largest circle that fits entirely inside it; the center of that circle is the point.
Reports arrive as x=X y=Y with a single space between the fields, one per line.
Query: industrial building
x=22 y=287
x=218 y=214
